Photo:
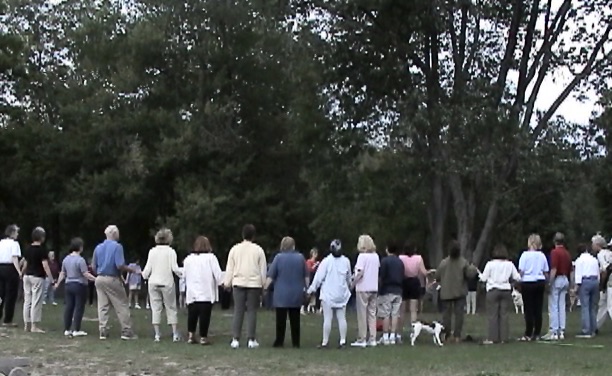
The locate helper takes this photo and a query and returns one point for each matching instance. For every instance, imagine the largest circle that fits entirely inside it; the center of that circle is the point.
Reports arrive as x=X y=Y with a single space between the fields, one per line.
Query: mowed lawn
x=52 y=354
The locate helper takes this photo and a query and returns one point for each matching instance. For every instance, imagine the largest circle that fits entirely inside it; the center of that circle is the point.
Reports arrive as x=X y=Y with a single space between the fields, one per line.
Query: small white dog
x=434 y=328
x=517 y=299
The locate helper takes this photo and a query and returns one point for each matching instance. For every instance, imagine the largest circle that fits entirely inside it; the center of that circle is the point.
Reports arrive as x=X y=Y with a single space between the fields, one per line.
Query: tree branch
x=506 y=63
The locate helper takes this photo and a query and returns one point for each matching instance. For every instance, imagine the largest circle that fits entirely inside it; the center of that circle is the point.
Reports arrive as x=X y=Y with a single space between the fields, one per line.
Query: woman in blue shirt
x=290 y=278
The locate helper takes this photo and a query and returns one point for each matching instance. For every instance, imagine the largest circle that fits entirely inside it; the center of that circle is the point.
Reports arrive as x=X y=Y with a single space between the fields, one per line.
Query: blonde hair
x=287 y=244
x=112 y=232
x=164 y=236
x=314 y=252
x=534 y=241
x=365 y=243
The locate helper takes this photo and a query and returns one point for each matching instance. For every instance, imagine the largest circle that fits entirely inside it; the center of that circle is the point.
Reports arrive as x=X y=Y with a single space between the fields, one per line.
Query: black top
x=472 y=284
x=391 y=275
x=34 y=255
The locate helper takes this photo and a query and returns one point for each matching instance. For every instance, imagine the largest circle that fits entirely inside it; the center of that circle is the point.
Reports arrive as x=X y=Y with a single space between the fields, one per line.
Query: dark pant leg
x=493 y=307
x=294 y=323
x=240 y=306
x=529 y=305
x=447 y=306
x=92 y=292
x=538 y=308
x=281 y=326
x=505 y=303
x=459 y=309
x=69 y=304
x=205 y=319
x=192 y=316
x=79 y=306
x=12 y=291
x=3 y=290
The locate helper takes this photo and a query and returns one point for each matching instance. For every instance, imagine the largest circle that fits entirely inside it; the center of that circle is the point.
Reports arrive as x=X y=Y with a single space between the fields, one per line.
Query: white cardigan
x=203 y=277
x=161 y=264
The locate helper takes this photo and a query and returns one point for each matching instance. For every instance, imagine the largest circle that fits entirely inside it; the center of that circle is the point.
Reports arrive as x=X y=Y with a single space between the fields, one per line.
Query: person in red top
x=311 y=267
x=560 y=269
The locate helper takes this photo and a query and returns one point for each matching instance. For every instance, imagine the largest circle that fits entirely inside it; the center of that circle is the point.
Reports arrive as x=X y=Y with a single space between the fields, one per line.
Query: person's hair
x=11 y=230
x=559 y=239
x=112 y=231
x=500 y=252
x=202 y=245
x=365 y=243
x=582 y=248
x=164 y=237
x=314 y=252
x=393 y=248
x=76 y=245
x=534 y=241
x=454 y=250
x=38 y=234
x=248 y=232
x=599 y=240
x=287 y=244
x=409 y=248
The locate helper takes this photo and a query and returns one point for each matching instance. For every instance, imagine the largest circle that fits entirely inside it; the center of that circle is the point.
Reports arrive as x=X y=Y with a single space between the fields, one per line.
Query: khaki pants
x=366 y=315
x=160 y=297
x=498 y=303
x=32 y=298
x=111 y=292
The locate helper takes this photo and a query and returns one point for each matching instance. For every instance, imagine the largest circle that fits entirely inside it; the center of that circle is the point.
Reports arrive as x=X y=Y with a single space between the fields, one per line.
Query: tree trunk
x=437 y=212
x=487 y=231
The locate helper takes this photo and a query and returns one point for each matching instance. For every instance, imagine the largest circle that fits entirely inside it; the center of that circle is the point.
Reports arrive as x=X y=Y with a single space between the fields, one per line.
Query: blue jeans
x=557 y=296
x=49 y=291
x=75 y=295
x=589 y=297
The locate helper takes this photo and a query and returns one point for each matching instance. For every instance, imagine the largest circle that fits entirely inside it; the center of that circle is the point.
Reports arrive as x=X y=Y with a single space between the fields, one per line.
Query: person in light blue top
x=290 y=278
x=334 y=278
x=76 y=274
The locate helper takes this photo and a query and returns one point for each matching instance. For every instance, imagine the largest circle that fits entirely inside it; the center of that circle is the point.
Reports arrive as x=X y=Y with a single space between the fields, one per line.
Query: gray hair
x=287 y=244
x=112 y=232
x=38 y=234
x=164 y=236
x=559 y=238
x=599 y=240
x=11 y=230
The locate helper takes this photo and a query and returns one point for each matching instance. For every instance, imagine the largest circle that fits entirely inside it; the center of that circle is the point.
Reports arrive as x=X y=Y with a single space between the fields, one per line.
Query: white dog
x=434 y=328
x=517 y=299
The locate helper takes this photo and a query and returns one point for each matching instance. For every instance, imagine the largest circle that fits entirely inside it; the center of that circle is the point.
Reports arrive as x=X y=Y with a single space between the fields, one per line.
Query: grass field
x=52 y=354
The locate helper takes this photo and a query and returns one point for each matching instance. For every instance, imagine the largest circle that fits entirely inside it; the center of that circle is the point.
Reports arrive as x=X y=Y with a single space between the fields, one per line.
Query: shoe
x=253 y=344
x=359 y=343
x=79 y=333
x=342 y=345
x=68 y=333
x=549 y=337
x=44 y=303
x=322 y=347
x=129 y=337
x=235 y=344
x=302 y=312
x=54 y=303
x=137 y=306
x=148 y=306
x=392 y=341
x=385 y=342
x=373 y=343
x=584 y=336
x=103 y=336
x=157 y=339
x=205 y=342
x=176 y=338
x=561 y=336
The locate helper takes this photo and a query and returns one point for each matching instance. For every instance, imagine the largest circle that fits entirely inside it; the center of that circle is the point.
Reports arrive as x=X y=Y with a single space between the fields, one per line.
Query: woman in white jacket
x=334 y=278
x=159 y=270
x=203 y=277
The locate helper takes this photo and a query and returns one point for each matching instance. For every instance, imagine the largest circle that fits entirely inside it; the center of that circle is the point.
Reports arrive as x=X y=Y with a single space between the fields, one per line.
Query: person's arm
x=440 y=270
x=422 y=269
x=174 y=263
x=216 y=269
x=578 y=274
x=120 y=261
x=85 y=271
x=263 y=266
x=23 y=266
x=546 y=269
x=358 y=270
x=16 y=254
x=272 y=273
x=486 y=274
x=93 y=262
x=521 y=267
x=45 y=264
x=554 y=263
x=319 y=277
x=61 y=277
x=306 y=274
x=229 y=270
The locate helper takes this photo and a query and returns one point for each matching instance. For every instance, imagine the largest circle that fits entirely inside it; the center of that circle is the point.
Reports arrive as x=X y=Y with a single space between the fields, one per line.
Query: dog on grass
x=517 y=299
x=573 y=297
x=435 y=329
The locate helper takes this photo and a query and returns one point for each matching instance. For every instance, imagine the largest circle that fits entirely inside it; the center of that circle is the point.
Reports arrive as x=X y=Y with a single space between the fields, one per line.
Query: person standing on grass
x=453 y=273
x=472 y=296
x=49 y=289
x=108 y=264
x=91 y=285
x=499 y=274
x=35 y=269
x=290 y=277
x=586 y=275
x=414 y=270
x=75 y=272
x=134 y=284
x=390 y=294
x=311 y=267
x=160 y=269
x=10 y=274
x=533 y=268
x=203 y=277
x=604 y=257
x=561 y=268
x=333 y=278
x=366 y=287
x=246 y=274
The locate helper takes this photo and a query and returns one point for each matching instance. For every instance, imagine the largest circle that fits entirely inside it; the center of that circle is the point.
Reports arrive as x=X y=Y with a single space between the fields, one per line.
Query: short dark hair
x=500 y=252
x=559 y=238
x=583 y=248
x=393 y=248
x=409 y=248
x=38 y=234
x=202 y=245
x=454 y=249
x=76 y=244
x=248 y=232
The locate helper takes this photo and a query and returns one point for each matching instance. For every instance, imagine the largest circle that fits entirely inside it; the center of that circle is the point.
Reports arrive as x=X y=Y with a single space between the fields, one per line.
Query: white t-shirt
x=498 y=274
x=533 y=265
x=8 y=249
x=369 y=263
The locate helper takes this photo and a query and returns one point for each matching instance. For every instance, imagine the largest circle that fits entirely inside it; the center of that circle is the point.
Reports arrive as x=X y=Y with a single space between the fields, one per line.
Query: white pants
x=328 y=316
x=470 y=300
x=605 y=306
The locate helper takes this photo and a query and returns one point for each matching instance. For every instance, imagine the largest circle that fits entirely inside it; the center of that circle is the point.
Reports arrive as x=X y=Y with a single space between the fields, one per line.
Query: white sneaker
x=137 y=306
x=176 y=338
x=157 y=339
x=79 y=333
x=359 y=343
x=561 y=336
x=44 y=303
x=302 y=312
x=385 y=342
x=235 y=344
x=68 y=333
x=148 y=306
x=253 y=344
x=373 y=343
x=54 y=303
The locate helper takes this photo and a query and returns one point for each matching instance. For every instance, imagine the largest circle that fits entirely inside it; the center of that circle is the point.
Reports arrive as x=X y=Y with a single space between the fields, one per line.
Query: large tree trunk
x=437 y=212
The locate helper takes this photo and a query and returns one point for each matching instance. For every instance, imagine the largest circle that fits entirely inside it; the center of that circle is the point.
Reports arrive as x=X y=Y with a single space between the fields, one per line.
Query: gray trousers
x=245 y=300
x=454 y=307
x=498 y=303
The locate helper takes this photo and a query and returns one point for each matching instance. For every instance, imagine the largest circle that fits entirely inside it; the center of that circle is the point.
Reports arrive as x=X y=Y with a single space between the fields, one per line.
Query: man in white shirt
x=604 y=256
x=586 y=275
x=10 y=273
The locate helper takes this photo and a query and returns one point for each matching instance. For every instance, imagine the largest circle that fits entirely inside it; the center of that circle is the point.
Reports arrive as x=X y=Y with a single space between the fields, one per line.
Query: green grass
x=52 y=354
